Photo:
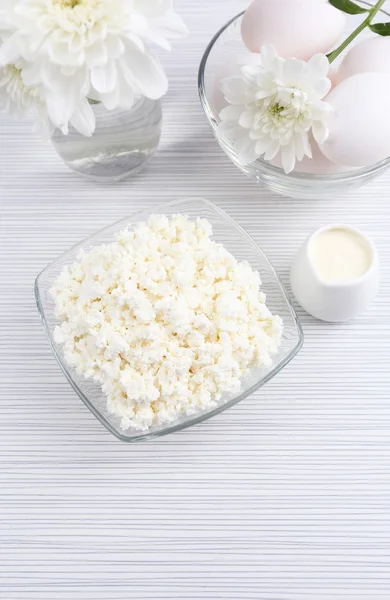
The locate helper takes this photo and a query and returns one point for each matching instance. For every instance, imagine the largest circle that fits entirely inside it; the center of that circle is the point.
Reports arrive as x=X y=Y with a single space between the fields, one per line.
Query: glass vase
x=123 y=142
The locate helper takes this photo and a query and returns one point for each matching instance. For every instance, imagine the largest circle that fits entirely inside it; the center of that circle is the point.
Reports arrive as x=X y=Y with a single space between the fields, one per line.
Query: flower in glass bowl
x=274 y=106
x=95 y=49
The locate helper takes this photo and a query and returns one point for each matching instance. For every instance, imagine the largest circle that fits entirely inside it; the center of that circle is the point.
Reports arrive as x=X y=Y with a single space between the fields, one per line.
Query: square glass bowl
x=234 y=238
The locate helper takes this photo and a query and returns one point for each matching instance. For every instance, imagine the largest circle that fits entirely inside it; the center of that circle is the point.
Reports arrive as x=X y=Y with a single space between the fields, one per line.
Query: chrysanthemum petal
x=246 y=150
x=262 y=146
x=294 y=72
x=288 y=158
x=234 y=90
x=228 y=129
x=321 y=88
x=320 y=132
x=299 y=147
x=272 y=150
x=231 y=113
x=104 y=78
x=268 y=57
x=59 y=108
x=250 y=74
x=319 y=65
x=31 y=74
x=60 y=54
x=96 y=55
x=115 y=47
x=306 y=146
x=83 y=119
x=112 y=99
x=146 y=72
x=248 y=119
x=10 y=50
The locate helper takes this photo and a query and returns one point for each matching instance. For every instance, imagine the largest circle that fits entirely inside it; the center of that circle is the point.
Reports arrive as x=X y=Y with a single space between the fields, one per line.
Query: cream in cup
x=335 y=274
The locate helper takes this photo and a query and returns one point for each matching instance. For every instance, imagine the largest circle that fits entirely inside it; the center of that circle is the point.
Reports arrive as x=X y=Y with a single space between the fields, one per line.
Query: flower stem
x=371 y=14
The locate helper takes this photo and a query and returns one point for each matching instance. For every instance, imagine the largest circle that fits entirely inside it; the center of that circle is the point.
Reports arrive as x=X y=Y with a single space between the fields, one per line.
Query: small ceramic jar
x=335 y=284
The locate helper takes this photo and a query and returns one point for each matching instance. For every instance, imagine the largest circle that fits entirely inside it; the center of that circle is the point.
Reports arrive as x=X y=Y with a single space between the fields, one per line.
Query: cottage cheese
x=166 y=320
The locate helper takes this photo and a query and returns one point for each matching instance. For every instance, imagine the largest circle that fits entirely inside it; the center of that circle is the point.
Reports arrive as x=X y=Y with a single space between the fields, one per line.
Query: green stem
x=371 y=14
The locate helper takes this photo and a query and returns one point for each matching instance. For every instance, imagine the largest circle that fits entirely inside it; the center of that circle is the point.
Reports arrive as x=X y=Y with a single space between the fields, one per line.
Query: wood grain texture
x=284 y=497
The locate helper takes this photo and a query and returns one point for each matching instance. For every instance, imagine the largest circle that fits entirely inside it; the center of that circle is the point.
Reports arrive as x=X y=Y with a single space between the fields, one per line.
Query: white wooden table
x=284 y=497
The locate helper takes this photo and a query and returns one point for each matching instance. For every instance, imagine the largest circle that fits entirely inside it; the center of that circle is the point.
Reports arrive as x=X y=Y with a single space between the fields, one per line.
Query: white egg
x=360 y=123
x=297 y=28
x=317 y=165
x=369 y=56
x=230 y=69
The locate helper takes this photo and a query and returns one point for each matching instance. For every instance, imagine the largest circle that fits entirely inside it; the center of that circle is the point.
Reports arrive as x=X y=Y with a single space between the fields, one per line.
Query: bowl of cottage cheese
x=164 y=320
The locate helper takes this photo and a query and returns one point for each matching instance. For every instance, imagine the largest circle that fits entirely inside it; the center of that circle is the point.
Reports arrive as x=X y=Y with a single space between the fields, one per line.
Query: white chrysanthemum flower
x=274 y=106
x=89 y=48
x=19 y=99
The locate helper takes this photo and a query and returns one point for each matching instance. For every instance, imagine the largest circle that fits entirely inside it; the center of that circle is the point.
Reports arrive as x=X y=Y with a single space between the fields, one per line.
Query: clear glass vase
x=123 y=142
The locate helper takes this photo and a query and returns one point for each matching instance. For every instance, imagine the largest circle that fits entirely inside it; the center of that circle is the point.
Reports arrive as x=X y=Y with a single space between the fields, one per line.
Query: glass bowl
x=226 y=232
x=224 y=49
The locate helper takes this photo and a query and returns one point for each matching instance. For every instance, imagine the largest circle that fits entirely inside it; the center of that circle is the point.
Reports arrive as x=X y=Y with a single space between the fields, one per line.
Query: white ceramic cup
x=333 y=302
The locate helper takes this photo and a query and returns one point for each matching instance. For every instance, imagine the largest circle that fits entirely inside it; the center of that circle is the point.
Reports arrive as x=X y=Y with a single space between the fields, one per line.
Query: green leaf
x=348 y=7
x=381 y=28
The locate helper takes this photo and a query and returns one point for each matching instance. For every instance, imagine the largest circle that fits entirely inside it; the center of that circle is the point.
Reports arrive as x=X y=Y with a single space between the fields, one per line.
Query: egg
x=231 y=68
x=359 y=127
x=297 y=28
x=317 y=165
x=372 y=56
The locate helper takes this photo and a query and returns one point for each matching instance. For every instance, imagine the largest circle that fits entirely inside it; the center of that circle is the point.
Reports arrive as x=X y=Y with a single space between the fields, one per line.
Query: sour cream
x=335 y=274
x=340 y=254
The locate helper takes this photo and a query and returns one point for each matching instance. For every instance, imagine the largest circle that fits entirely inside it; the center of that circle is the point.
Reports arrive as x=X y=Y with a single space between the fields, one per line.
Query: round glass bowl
x=225 y=231
x=226 y=48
